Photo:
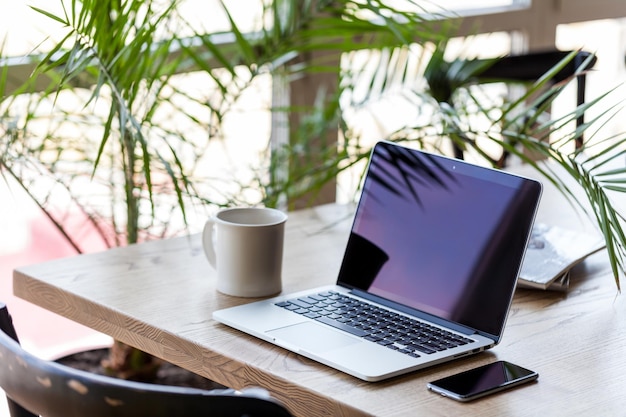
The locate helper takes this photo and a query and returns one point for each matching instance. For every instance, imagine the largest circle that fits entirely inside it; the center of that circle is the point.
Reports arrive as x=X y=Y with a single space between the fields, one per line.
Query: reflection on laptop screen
x=440 y=236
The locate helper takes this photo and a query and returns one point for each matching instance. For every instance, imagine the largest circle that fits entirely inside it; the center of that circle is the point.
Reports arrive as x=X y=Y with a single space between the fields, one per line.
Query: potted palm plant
x=104 y=135
x=118 y=133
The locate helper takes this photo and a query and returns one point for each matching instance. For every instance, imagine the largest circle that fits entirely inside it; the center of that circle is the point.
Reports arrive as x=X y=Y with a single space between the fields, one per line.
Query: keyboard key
x=342 y=326
x=309 y=300
x=424 y=349
x=301 y=303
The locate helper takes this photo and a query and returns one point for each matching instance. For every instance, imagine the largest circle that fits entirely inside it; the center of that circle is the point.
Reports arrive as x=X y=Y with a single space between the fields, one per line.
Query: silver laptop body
x=437 y=243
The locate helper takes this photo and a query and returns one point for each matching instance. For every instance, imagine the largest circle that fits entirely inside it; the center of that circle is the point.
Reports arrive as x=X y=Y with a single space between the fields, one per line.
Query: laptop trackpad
x=311 y=337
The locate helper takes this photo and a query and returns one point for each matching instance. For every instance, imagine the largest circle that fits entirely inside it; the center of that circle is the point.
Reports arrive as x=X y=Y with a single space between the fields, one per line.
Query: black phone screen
x=483 y=380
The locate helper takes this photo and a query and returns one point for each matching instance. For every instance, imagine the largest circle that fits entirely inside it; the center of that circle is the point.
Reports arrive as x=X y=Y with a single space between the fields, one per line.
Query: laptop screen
x=440 y=236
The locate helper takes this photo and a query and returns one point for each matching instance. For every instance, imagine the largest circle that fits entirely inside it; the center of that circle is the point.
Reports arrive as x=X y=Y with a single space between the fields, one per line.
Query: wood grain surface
x=159 y=297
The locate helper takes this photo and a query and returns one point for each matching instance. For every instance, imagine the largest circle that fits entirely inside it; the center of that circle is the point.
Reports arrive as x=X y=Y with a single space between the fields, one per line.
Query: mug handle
x=207 y=242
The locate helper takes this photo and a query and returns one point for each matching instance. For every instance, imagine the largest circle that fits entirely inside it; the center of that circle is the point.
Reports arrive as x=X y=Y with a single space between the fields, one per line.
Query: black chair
x=531 y=66
x=38 y=387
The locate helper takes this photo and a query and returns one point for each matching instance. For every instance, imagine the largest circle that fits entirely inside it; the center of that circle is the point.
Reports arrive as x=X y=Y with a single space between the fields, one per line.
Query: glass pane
x=605 y=38
x=23 y=28
x=456 y=6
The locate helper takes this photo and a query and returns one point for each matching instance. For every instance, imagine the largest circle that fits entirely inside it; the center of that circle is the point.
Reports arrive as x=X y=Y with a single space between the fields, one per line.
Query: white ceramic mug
x=245 y=247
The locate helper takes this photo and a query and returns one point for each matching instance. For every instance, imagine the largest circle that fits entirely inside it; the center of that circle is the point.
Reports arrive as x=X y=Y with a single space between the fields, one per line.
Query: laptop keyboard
x=375 y=324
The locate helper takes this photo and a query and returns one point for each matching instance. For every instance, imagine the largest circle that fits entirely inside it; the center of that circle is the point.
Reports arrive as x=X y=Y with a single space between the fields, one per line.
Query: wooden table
x=159 y=297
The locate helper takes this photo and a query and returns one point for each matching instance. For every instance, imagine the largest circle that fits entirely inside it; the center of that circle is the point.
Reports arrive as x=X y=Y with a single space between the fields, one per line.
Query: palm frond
x=121 y=62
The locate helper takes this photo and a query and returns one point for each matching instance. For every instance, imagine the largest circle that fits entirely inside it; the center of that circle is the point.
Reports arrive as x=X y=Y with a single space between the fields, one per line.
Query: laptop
x=428 y=273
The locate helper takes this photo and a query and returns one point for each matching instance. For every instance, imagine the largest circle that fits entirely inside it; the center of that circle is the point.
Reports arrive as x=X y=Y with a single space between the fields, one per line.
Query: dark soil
x=168 y=373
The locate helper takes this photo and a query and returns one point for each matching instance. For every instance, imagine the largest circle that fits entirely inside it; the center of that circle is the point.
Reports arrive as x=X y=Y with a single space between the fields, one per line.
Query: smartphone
x=481 y=381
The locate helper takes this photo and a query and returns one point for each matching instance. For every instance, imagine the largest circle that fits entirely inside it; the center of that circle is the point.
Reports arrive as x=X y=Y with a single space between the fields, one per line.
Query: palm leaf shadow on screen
x=406 y=167
x=410 y=167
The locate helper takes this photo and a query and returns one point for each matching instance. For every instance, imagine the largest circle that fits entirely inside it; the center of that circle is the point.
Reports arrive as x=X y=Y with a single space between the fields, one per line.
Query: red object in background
x=43 y=332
